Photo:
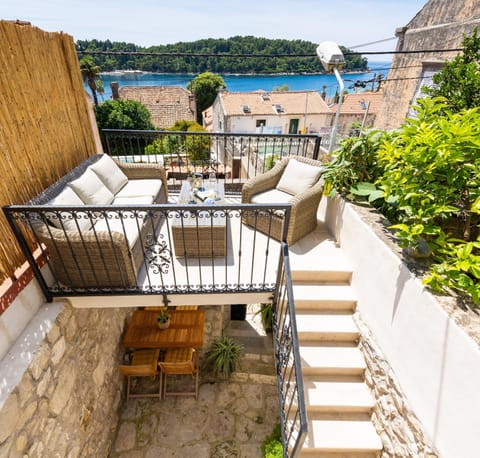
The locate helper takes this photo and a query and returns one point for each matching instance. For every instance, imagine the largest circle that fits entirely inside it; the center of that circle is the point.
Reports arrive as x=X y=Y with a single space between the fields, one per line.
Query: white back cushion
x=298 y=177
x=65 y=220
x=110 y=174
x=91 y=189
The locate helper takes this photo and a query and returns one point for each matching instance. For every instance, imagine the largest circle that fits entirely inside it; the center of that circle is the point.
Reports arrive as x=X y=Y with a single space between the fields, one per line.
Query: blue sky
x=150 y=22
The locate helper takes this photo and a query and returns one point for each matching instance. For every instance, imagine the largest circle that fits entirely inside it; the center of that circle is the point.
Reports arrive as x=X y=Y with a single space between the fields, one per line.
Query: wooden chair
x=179 y=361
x=144 y=363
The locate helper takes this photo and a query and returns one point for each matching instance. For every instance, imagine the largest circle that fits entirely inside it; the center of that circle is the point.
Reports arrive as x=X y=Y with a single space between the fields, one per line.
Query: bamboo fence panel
x=45 y=128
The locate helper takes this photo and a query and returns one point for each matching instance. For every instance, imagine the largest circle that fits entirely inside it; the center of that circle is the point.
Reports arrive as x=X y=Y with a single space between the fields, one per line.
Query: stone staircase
x=339 y=404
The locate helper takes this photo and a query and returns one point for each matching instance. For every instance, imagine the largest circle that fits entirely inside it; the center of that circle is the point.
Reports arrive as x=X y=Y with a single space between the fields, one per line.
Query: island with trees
x=216 y=56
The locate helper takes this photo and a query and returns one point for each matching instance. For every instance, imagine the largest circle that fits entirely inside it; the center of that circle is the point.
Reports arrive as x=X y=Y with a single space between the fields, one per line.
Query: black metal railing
x=152 y=249
x=293 y=414
x=232 y=157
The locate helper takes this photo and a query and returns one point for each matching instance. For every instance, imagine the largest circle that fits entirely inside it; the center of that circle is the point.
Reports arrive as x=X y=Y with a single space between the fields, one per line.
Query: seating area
x=164 y=353
x=95 y=249
x=123 y=241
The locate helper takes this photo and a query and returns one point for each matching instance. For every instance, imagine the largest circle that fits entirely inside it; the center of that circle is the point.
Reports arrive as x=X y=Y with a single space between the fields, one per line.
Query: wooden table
x=186 y=330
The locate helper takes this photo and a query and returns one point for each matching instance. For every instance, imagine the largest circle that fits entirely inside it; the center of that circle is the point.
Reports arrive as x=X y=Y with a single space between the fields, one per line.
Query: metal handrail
x=151 y=249
x=233 y=157
x=293 y=413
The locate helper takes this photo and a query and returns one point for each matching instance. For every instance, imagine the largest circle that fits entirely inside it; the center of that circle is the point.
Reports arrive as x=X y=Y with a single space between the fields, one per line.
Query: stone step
x=327 y=263
x=326 y=327
x=320 y=361
x=324 y=297
x=322 y=276
x=337 y=397
x=335 y=438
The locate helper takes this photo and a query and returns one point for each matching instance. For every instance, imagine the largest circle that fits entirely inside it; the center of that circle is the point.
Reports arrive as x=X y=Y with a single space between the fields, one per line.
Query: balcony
x=173 y=249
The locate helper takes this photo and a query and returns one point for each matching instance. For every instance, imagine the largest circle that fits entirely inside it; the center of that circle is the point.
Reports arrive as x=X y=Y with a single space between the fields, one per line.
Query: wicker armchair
x=303 y=216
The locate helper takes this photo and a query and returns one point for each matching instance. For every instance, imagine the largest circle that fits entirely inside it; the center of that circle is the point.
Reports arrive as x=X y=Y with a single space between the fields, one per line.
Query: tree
x=90 y=73
x=123 y=114
x=459 y=79
x=205 y=87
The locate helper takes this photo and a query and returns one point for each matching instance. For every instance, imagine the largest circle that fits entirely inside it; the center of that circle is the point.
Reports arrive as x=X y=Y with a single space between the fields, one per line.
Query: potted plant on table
x=163 y=319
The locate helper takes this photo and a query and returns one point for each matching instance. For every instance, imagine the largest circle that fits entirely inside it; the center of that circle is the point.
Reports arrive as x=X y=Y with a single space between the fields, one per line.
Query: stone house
x=357 y=108
x=276 y=112
x=439 y=25
x=166 y=104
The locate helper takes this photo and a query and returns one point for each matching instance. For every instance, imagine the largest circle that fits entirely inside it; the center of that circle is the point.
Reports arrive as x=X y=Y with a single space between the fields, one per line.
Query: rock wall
x=399 y=428
x=66 y=404
x=439 y=25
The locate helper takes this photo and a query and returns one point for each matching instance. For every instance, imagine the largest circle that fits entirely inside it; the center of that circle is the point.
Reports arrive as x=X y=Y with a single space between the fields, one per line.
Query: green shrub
x=223 y=356
x=272 y=446
x=123 y=114
x=355 y=162
x=425 y=178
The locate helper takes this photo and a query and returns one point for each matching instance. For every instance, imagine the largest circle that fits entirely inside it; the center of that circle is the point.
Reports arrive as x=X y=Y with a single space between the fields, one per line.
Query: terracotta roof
x=357 y=103
x=167 y=104
x=271 y=103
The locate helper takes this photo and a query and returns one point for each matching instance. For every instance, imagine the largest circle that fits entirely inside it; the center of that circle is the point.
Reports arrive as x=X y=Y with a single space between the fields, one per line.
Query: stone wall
x=66 y=404
x=399 y=428
x=440 y=25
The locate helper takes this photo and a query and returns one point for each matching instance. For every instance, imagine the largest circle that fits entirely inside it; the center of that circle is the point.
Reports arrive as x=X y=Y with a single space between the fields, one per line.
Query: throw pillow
x=297 y=177
x=65 y=220
x=110 y=173
x=91 y=189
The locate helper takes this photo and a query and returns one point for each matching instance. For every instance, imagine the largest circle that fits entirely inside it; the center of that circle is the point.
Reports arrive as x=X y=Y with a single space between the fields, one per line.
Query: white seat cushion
x=64 y=220
x=110 y=173
x=139 y=188
x=297 y=177
x=273 y=196
x=128 y=225
x=91 y=189
x=140 y=200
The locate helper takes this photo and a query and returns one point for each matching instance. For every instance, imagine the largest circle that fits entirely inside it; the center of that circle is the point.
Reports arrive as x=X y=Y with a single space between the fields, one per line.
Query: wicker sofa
x=296 y=180
x=98 y=248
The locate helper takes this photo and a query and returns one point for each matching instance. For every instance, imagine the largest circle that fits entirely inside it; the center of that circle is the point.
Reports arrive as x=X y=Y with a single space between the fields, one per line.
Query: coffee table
x=202 y=233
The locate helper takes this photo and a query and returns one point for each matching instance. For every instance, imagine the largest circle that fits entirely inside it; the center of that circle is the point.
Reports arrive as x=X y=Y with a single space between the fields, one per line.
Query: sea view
x=247 y=83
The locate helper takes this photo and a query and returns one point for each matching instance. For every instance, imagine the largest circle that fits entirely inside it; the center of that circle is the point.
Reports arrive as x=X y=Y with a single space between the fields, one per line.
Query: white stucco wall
x=436 y=362
x=23 y=327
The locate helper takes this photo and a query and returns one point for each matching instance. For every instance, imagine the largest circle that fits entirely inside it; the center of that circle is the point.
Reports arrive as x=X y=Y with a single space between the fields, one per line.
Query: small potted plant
x=163 y=319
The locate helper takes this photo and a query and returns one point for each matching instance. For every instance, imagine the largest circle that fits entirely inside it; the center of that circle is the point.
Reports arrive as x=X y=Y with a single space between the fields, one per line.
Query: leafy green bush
x=223 y=356
x=271 y=160
x=354 y=162
x=459 y=79
x=197 y=147
x=123 y=114
x=425 y=178
x=272 y=446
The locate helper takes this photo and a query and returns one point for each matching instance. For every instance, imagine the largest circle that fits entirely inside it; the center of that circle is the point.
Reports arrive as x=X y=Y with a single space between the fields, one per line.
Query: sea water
x=248 y=83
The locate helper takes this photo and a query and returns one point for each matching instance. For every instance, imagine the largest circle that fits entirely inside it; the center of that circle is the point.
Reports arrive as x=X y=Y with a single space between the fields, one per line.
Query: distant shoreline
x=142 y=72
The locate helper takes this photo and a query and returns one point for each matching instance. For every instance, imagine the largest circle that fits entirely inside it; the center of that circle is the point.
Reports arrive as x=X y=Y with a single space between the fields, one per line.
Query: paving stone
x=230 y=418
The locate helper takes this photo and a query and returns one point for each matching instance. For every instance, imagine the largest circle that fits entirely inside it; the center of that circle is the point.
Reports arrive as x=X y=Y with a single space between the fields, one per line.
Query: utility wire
x=372 y=43
x=237 y=55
